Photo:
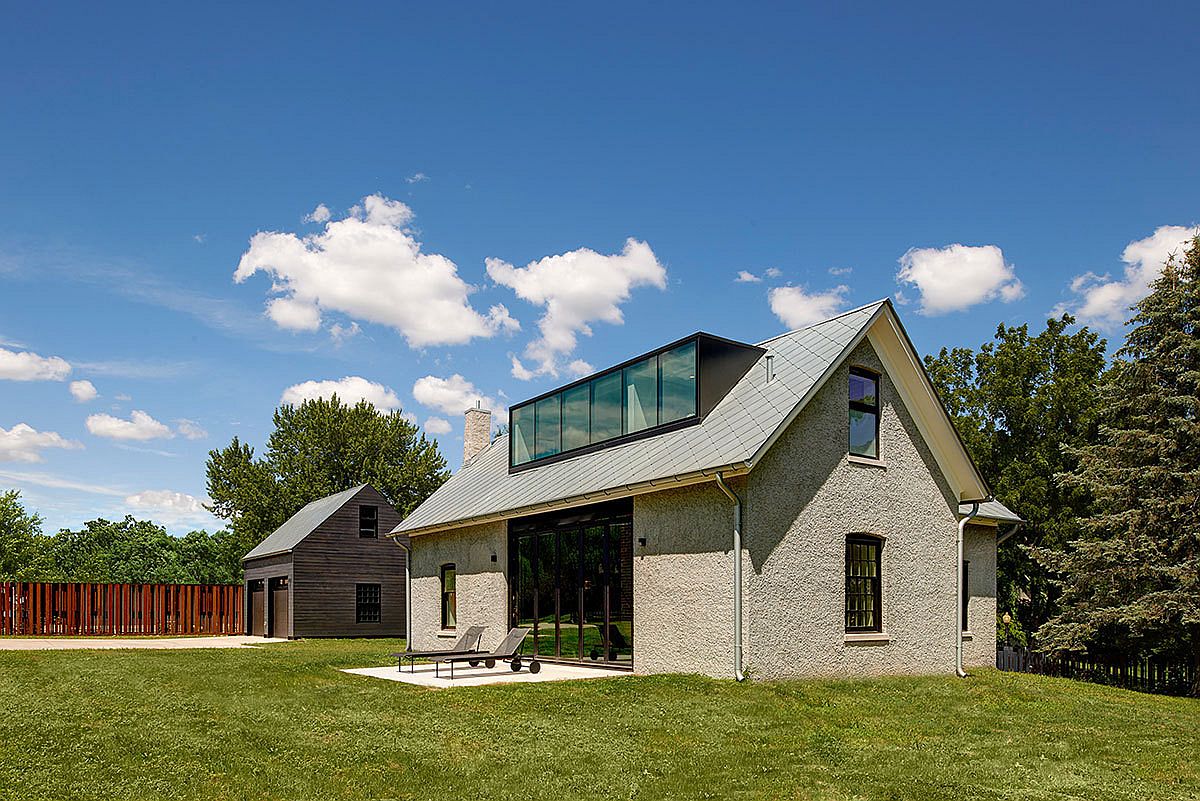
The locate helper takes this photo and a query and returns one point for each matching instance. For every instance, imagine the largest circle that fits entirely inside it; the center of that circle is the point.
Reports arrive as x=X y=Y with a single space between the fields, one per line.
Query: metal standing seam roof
x=301 y=524
x=992 y=510
x=727 y=438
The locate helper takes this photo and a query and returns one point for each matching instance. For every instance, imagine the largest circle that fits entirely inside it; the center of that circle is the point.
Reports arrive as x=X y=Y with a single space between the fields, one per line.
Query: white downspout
x=737 y=578
x=408 y=592
x=958 y=592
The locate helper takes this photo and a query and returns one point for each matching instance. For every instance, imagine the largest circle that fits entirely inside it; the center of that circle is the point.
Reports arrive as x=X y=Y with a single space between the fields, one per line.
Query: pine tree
x=1131 y=583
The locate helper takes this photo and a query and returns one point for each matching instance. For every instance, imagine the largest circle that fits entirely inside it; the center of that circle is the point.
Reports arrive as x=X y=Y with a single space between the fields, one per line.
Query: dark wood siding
x=266 y=568
x=331 y=560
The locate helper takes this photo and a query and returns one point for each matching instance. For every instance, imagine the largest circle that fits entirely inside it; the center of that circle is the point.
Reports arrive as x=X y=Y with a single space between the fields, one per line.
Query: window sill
x=868 y=638
x=866 y=461
x=447 y=634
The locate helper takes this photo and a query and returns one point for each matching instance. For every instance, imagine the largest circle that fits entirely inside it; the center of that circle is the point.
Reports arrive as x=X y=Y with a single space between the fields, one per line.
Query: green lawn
x=282 y=722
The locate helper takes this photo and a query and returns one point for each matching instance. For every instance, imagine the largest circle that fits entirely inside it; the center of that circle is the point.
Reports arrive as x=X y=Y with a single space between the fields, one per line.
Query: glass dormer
x=661 y=391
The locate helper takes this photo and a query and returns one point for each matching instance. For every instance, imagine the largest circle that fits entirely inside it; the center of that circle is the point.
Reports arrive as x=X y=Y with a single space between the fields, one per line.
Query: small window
x=864 y=588
x=576 y=404
x=367 y=603
x=449 y=598
x=521 y=435
x=966 y=593
x=677 y=369
x=368 y=521
x=864 y=413
x=548 y=440
x=606 y=407
x=641 y=395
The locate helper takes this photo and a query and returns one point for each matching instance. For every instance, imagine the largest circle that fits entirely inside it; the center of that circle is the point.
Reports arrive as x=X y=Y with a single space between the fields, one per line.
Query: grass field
x=282 y=722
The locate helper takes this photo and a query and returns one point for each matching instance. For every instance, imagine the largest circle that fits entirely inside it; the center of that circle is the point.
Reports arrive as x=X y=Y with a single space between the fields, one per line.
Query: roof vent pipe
x=737 y=577
x=770 y=367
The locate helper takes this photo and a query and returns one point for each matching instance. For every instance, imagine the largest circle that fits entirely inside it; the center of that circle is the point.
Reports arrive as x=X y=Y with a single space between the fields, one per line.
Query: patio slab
x=466 y=676
x=106 y=643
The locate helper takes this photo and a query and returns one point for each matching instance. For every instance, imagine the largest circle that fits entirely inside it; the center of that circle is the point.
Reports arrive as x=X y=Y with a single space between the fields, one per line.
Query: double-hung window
x=864 y=584
x=449 y=598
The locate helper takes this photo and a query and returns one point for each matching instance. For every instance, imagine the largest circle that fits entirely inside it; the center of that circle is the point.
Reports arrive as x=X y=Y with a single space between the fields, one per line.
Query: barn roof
x=301 y=524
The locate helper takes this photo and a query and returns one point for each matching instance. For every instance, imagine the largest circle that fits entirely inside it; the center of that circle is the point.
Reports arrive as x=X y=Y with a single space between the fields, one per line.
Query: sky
x=207 y=211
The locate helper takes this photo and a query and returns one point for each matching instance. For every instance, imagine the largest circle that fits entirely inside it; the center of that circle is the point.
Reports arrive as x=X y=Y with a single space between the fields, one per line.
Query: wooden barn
x=327 y=572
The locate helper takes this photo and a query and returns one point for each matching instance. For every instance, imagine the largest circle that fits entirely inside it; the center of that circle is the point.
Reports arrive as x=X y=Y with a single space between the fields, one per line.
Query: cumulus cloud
x=350 y=389
x=416 y=178
x=797 y=307
x=579 y=368
x=28 y=366
x=576 y=289
x=170 y=507
x=190 y=429
x=437 y=425
x=957 y=277
x=341 y=334
x=369 y=266
x=320 y=214
x=140 y=427
x=23 y=443
x=452 y=396
x=83 y=391
x=773 y=272
x=747 y=277
x=1105 y=301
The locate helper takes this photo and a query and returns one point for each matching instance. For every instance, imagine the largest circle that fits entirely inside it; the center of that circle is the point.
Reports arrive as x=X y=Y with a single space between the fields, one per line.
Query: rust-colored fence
x=44 y=609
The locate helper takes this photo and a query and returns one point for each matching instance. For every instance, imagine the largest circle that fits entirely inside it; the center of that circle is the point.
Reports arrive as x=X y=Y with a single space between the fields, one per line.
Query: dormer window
x=864 y=413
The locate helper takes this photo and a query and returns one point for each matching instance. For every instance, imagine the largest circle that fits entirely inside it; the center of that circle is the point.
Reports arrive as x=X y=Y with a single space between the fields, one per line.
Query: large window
x=864 y=413
x=864 y=588
x=655 y=391
x=368 y=521
x=449 y=598
x=367 y=603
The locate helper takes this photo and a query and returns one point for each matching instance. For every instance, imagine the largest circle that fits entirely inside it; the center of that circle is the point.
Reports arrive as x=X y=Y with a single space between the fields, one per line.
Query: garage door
x=279 y=607
x=258 y=609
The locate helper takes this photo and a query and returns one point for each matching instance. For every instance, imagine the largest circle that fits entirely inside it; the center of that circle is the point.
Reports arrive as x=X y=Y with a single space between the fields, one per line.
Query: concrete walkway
x=466 y=676
x=149 y=643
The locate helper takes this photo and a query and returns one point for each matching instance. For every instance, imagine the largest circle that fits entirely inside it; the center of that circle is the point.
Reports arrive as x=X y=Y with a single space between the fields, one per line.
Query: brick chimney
x=477 y=431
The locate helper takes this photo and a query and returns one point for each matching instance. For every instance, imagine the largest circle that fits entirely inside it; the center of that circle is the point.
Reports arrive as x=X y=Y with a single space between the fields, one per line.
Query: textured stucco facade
x=800 y=502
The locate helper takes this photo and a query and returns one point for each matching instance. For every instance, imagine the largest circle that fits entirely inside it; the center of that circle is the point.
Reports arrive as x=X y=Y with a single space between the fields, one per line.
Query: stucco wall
x=804 y=498
x=979 y=548
x=481 y=586
x=683 y=581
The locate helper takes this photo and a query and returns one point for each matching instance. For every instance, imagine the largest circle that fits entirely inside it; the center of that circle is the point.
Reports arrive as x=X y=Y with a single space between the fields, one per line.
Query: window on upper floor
x=864 y=413
x=864 y=584
x=368 y=521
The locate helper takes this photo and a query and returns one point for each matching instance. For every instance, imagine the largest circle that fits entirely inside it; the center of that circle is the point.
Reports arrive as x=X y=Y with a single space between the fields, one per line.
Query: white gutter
x=737 y=577
x=958 y=592
x=408 y=592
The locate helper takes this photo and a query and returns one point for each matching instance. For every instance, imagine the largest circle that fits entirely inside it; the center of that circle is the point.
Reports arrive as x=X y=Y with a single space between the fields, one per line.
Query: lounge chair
x=506 y=651
x=467 y=644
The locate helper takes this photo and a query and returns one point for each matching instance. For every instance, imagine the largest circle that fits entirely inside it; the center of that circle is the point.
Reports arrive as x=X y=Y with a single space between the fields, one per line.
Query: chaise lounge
x=506 y=651
x=466 y=645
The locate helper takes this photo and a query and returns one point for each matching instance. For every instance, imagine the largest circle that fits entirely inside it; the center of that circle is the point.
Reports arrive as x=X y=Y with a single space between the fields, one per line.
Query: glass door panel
x=620 y=592
x=594 y=584
x=546 y=642
x=568 y=594
x=524 y=588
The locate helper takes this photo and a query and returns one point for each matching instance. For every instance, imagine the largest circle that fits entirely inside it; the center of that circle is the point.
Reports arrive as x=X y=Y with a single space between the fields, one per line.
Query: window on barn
x=367 y=603
x=368 y=521
x=864 y=586
x=864 y=413
x=449 y=598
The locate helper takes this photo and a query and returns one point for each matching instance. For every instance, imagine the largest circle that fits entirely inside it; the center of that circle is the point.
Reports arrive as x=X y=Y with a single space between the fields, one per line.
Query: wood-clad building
x=328 y=572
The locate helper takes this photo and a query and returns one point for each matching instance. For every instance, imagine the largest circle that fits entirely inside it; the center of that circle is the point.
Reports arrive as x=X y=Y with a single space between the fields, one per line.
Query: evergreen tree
x=1131 y=583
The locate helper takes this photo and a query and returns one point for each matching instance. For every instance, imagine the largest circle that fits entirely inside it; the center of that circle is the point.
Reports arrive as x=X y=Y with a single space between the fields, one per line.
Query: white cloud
x=452 y=396
x=773 y=272
x=28 y=366
x=747 y=277
x=169 y=507
x=199 y=238
x=416 y=178
x=23 y=443
x=83 y=391
x=1105 y=301
x=520 y=371
x=836 y=271
x=437 y=425
x=320 y=214
x=957 y=277
x=22 y=479
x=577 y=289
x=190 y=429
x=369 y=266
x=797 y=307
x=579 y=368
x=341 y=334
x=350 y=390
x=140 y=427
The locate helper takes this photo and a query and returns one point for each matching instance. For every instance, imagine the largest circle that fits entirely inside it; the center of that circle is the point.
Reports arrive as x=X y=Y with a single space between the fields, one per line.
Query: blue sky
x=437 y=191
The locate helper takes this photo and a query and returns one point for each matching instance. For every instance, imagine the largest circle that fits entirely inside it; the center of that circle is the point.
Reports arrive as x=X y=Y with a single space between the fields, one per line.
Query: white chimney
x=477 y=431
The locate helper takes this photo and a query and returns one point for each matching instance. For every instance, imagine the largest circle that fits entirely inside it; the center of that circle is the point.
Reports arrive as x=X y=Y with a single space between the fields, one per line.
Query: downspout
x=958 y=592
x=1016 y=527
x=408 y=592
x=737 y=577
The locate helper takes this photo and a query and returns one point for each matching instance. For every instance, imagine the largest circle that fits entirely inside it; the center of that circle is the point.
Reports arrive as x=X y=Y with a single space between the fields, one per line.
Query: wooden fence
x=1148 y=674
x=48 y=609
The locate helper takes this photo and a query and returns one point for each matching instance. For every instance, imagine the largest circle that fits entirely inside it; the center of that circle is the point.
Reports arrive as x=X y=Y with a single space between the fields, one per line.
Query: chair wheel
x=535 y=666
x=489 y=663
x=474 y=663
x=516 y=665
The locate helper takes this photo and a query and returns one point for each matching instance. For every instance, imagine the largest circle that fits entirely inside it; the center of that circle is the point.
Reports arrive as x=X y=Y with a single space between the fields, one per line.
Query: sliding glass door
x=571 y=583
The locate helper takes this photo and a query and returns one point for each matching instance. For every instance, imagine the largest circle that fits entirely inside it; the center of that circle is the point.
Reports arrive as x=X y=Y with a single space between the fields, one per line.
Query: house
x=327 y=572
x=802 y=506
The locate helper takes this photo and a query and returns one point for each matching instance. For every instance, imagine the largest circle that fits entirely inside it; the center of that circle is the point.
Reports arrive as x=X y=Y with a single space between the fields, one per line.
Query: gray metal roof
x=727 y=438
x=301 y=524
x=992 y=510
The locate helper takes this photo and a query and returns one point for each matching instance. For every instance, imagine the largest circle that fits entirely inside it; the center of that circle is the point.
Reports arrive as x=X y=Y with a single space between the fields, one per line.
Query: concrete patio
x=466 y=676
